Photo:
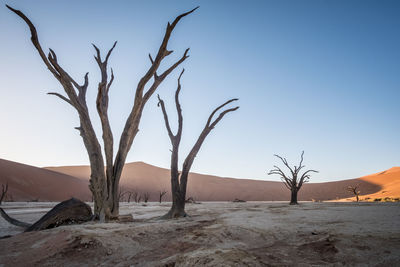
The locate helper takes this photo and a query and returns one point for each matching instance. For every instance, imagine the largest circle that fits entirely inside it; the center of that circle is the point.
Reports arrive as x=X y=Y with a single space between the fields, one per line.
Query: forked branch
x=131 y=125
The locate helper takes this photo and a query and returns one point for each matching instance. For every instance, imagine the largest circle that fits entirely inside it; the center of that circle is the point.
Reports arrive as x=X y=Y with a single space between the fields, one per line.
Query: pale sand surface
x=216 y=234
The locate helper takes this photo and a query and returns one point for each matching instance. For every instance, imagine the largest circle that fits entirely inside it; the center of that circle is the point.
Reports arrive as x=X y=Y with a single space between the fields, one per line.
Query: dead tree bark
x=4 y=190
x=355 y=191
x=70 y=211
x=162 y=193
x=104 y=178
x=294 y=181
x=179 y=180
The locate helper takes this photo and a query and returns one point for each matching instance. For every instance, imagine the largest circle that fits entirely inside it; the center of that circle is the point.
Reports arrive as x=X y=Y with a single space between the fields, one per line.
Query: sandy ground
x=216 y=234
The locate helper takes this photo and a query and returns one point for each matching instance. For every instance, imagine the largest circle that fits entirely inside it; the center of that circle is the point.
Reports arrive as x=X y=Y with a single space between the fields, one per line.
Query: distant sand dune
x=27 y=183
x=58 y=183
x=388 y=181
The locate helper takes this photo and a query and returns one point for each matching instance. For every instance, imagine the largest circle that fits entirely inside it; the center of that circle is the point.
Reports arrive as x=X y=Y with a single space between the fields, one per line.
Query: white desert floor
x=215 y=234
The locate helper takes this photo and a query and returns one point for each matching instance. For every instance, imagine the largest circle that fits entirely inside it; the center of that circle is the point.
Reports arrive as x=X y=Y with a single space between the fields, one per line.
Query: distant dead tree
x=129 y=196
x=179 y=180
x=122 y=194
x=354 y=189
x=294 y=181
x=136 y=196
x=146 y=197
x=4 y=190
x=161 y=194
x=105 y=177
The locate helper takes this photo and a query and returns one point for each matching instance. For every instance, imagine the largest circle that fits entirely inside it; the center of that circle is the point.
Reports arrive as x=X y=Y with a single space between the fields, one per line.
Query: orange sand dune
x=27 y=183
x=142 y=177
x=388 y=180
x=57 y=183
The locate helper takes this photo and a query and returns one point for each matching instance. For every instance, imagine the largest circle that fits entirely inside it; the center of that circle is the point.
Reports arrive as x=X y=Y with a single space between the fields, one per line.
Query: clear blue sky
x=319 y=76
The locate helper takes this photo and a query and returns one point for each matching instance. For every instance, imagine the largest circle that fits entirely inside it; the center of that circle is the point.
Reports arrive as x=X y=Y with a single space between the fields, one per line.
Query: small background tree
x=161 y=194
x=4 y=190
x=354 y=189
x=294 y=181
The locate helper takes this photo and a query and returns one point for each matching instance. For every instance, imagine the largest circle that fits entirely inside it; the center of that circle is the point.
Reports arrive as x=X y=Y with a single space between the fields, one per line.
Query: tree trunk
x=113 y=202
x=178 y=200
x=178 y=208
x=293 y=197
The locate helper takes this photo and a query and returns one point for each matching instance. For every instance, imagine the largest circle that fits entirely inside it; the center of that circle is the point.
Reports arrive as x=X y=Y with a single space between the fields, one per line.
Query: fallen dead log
x=192 y=201
x=12 y=220
x=70 y=211
x=238 y=200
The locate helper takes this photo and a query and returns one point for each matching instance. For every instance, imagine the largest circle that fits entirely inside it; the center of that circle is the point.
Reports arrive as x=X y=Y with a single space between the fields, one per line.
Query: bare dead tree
x=122 y=194
x=136 y=197
x=179 y=180
x=129 y=196
x=4 y=190
x=104 y=178
x=161 y=194
x=294 y=181
x=146 y=197
x=354 y=189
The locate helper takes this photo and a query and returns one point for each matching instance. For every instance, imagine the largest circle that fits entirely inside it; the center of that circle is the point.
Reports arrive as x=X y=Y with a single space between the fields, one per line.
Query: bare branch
x=35 y=40
x=109 y=52
x=207 y=129
x=178 y=107
x=181 y=16
x=218 y=108
x=132 y=123
x=162 y=105
x=159 y=79
x=110 y=82
x=102 y=110
x=286 y=164
x=151 y=59
x=221 y=115
x=62 y=97
x=161 y=54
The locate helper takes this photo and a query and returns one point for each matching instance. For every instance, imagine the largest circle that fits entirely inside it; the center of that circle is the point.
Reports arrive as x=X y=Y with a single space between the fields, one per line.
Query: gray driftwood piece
x=70 y=211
